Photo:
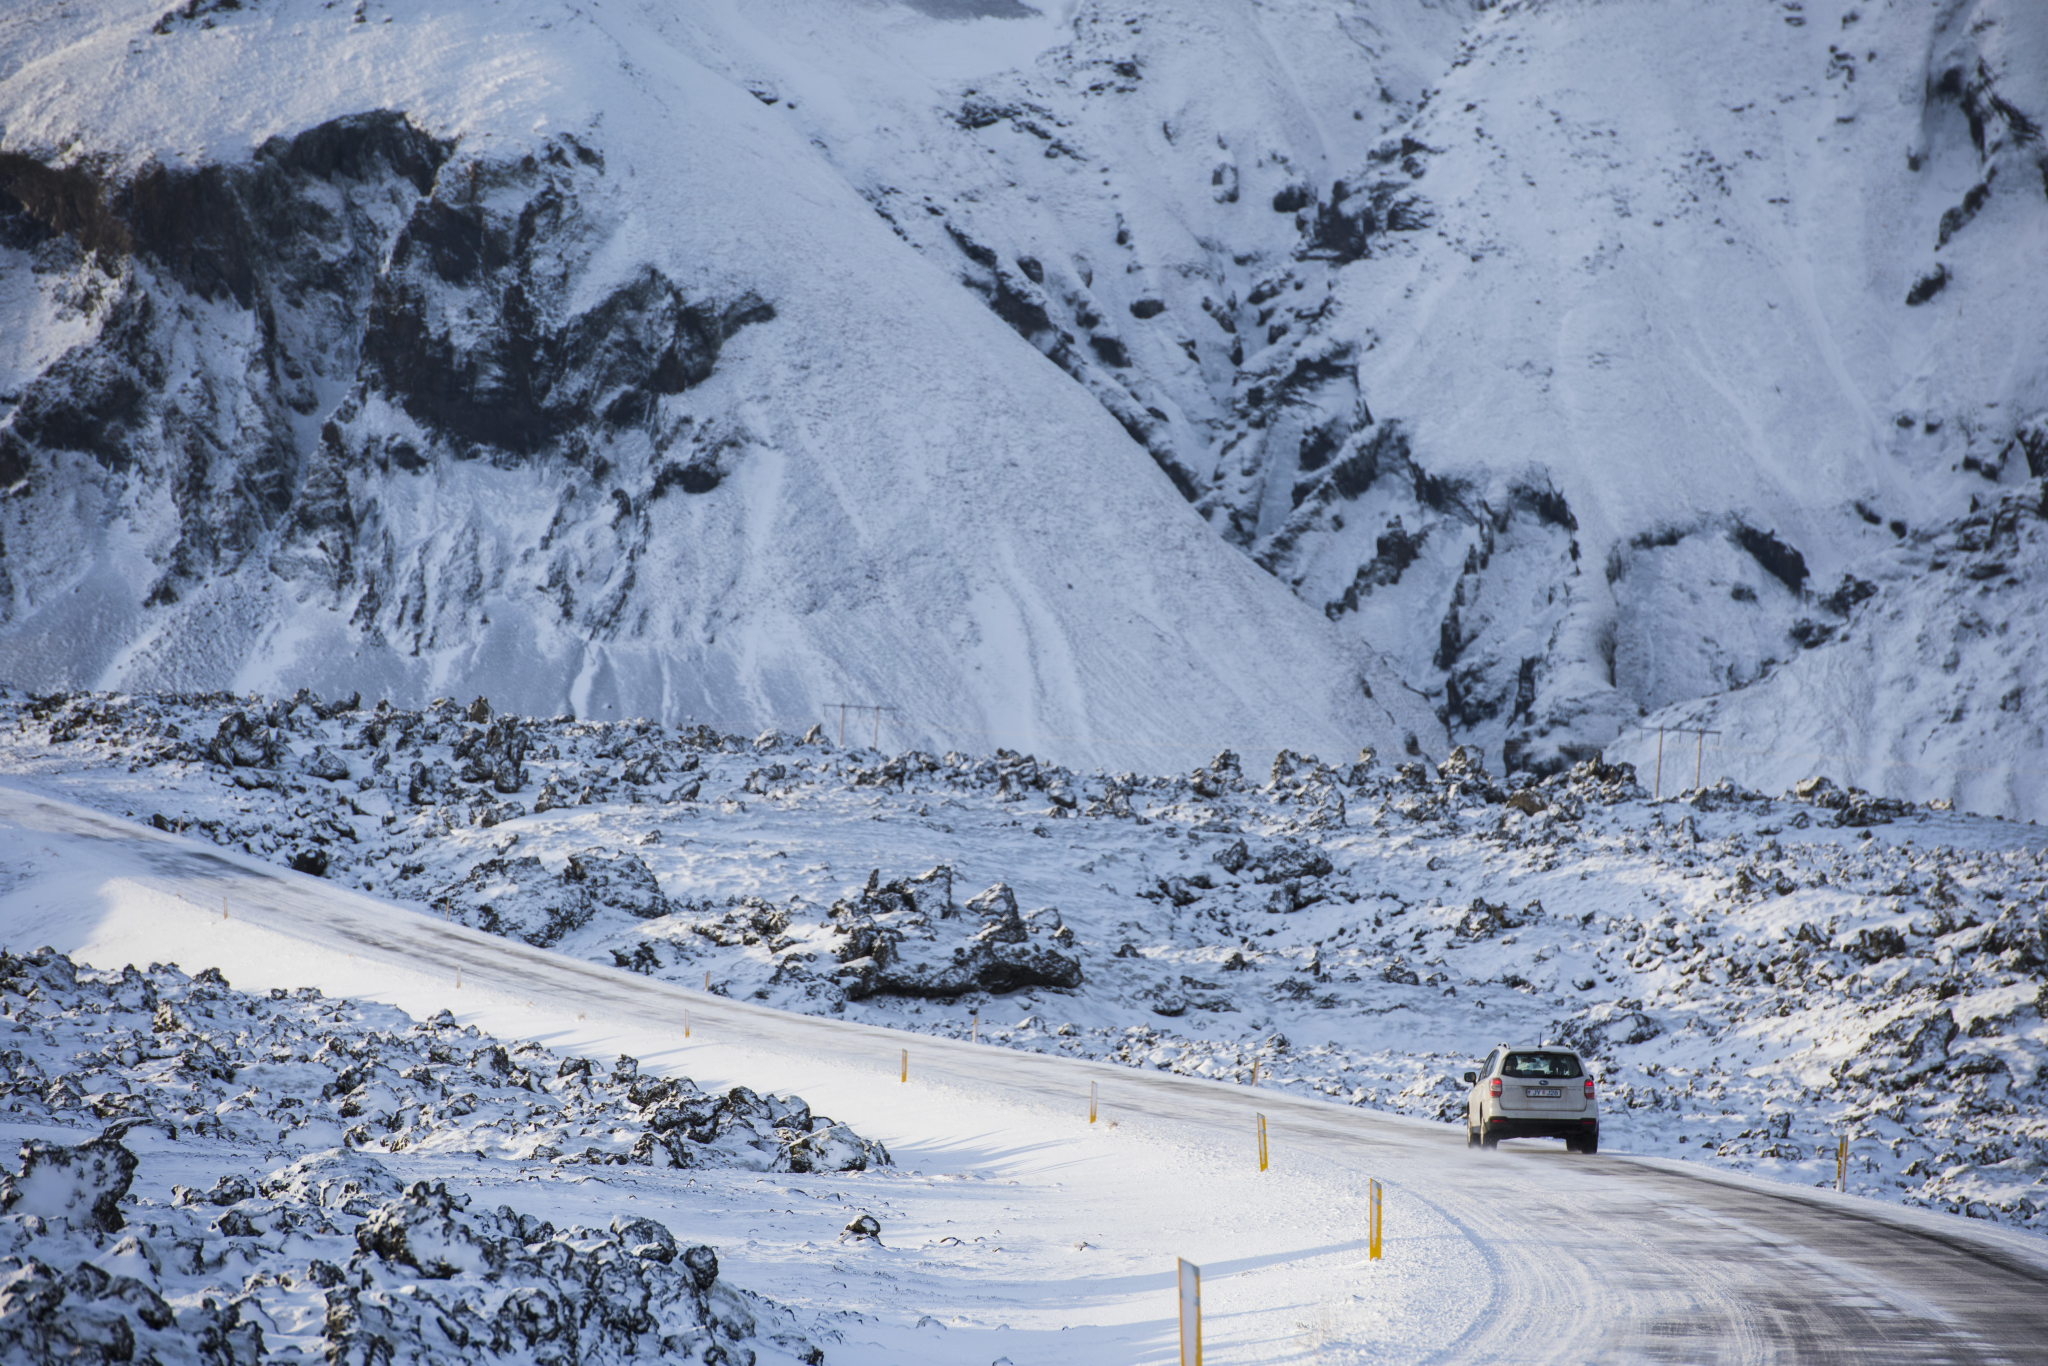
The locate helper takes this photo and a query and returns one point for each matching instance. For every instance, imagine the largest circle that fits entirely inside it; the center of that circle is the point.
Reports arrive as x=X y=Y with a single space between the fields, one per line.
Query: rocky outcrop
x=102 y=1263
x=495 y=755
x=269 y=342
x=81 y=1186
x=617 y=880
x=892 y=948
x=518 y=898
x=290 y=241
x=81 y=1313
x=430 y=1280
x=521 y=899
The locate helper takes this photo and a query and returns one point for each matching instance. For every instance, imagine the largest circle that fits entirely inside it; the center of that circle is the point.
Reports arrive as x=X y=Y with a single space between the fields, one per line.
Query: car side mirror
x=1471 y=1078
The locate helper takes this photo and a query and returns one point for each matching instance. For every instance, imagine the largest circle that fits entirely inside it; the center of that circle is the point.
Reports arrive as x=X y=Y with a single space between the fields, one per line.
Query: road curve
x=1601 y=1259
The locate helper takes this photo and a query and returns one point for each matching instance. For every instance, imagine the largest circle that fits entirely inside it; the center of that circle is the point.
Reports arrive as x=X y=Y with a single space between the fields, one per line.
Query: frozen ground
x=1011 y=1229
x=1755 y=976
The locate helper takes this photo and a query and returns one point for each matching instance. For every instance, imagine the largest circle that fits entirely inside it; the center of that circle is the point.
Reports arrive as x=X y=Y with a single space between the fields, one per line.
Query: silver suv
x=1540 y=1092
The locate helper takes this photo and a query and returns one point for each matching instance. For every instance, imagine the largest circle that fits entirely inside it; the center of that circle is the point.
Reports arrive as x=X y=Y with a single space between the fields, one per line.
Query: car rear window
x=1558 y=1065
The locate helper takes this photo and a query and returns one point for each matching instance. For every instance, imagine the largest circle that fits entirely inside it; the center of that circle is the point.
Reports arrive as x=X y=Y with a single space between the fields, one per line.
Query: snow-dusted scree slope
x=1753 y=975
x=1584 y=358
x=319 y=1139
x=1580 y=360
x=438 y=358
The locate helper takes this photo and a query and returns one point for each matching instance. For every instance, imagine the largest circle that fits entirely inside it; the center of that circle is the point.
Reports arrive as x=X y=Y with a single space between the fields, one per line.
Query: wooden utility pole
x=861 y=706
x=1699 y=757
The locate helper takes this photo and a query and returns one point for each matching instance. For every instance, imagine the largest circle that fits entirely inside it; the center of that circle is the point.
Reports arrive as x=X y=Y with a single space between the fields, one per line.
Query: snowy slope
x=1578 y=367
x=524 y=392
x=1592 y=345
x=1945 y=645
x=1579 y=360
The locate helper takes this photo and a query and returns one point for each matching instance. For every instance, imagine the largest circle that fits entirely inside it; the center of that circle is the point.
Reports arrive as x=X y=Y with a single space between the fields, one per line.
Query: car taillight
x=1495 y=1088
x=1589 y=1088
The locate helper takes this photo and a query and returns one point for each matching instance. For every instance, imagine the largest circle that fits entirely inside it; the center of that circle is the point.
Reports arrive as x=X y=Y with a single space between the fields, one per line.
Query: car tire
x=1590 y=1144
x=1489 y=1141
x=1471 y=1137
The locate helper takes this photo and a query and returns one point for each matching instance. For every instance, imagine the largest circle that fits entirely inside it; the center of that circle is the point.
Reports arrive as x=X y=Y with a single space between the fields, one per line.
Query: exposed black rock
x=293 y=236
x=1293 y=197
x=492 y=375
x=1847 y=594
x=892 y=949
x=619 y=880
x=1927 y=286
x=495 y=754
x=1110 y=351
x=244 y=741
x=435 y=298
x=1783 y=562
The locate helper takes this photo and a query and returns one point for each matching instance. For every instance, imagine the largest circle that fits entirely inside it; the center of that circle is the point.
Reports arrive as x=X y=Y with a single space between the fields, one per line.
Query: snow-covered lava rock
x=1755 y=976
x=311 y=1241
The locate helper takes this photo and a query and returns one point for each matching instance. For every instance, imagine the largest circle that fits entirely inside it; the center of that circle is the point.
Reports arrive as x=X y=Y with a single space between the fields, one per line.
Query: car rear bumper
x=1515 y=1126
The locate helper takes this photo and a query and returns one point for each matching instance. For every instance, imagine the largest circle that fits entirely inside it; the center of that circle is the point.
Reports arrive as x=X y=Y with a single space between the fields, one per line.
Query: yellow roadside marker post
x=906 y=1065
x=1373 y=1225
x=1190 y=1313
x=686 y=1024
x=974 y=1028
x=707 y=979
x=1091 y=1102
x=223 y=907
x=1262 y=1143
x=1842 y=1163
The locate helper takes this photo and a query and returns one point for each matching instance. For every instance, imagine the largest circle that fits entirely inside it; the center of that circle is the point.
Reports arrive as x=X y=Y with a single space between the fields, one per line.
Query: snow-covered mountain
x=1090 y=379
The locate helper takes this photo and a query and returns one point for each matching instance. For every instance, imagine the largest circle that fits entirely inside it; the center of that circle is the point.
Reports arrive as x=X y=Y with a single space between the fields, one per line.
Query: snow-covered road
x=1516 y=1255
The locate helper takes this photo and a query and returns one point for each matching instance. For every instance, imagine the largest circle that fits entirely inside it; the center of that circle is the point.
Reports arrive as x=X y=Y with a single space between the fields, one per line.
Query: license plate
x=1541 y=1091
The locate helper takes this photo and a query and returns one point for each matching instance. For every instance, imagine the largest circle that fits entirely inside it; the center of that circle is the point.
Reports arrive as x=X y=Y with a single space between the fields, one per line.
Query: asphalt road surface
x=1604 y=1258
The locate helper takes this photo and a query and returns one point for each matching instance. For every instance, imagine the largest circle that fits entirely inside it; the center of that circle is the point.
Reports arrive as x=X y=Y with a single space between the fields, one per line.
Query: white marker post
x=1190 y=1313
